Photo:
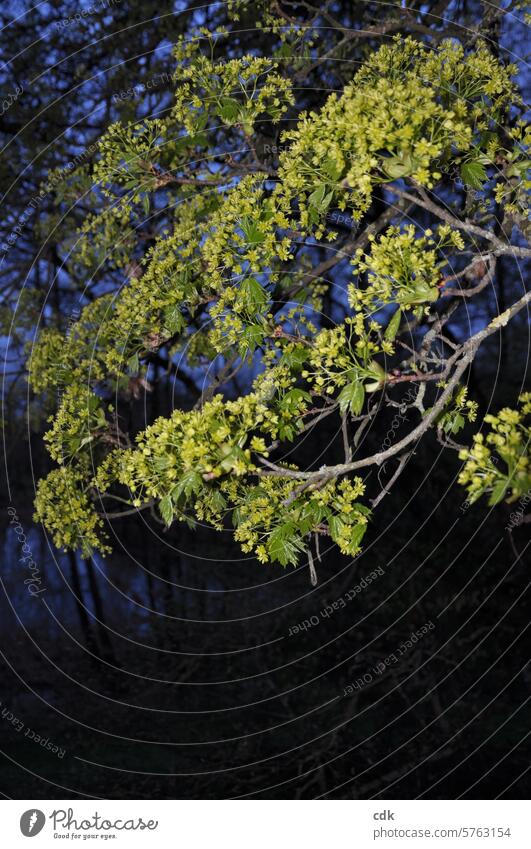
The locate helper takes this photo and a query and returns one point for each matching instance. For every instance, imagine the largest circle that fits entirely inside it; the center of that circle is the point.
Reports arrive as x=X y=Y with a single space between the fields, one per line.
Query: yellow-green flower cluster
x=275 y=522
x=406 y=110
x=206 y=251
x=498 y=463
x=512 y=188
x=130 y=151
x=210 y=442
x=203 y=464
x=63 y=506
x=77 y=355
x=344 y=355
x=242 y=233
x=75 y=425
x=402 y=268
x=458 y=410
x=233 y=91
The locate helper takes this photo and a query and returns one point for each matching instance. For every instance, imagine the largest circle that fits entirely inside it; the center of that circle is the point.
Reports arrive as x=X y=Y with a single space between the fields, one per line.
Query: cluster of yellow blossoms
x=402 y=267
x=498 y=464
x=218 y=275
x=406 y=110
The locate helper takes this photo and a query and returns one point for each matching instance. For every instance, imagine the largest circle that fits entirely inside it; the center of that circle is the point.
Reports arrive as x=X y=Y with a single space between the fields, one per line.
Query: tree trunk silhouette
x=84 y=620
x=107 y=649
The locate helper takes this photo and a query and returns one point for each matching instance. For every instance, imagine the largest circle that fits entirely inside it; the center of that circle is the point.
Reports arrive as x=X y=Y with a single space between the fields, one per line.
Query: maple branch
x=467 y=353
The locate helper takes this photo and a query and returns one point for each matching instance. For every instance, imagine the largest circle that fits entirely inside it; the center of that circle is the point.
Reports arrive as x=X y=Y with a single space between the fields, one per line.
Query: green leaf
x=311 y=514
x=292 y=399
x=229 y=110
x=173 y=320
x=399 y=166
x=420 y=294
x=252 y=234
x=296 y=358
x=93 y=402
x=218 y=500
x=166 y=509
x=233 y=456
x=287 y=432
x=352 y=397
x=357 y=534
x=284 y=545
x=519 y=168
x=336 y=527
x=473 y=174
x=133 y=364
x=499 y=492
x=190 y=482
x=320 y=200
x=458 y=423
x=254 y=295
x=340 y=531
x=252 y=337
x=327 y=200
x=392 y=328
x=332 y=168
x=316 y=198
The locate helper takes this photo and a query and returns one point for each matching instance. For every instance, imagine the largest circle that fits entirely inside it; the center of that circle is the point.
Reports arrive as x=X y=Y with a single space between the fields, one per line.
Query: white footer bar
x=266 y=824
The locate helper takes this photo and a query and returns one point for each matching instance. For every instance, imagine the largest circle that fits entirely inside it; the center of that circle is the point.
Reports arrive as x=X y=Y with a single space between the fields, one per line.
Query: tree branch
x=426 y=203
x=468 y=352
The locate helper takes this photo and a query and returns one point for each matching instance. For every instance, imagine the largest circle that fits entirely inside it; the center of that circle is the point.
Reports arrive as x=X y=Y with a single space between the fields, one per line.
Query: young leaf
x=191 y=482
x=293 y=398
x=296 y=358
x=255 y=296
x=316 y=198
x=174 y=320
x=327 y=200
x=229 y=110
x=252 y=233
x=166 y=509
x=336 y=527
x=392 y=328
x=133 y=364
x=284 y=545
x=251 y=338
x=499 y=491
x=399 y=166
x=352 y=397
x=458 y=423
x=356 y=536
x=473 y=174
x=332 y=168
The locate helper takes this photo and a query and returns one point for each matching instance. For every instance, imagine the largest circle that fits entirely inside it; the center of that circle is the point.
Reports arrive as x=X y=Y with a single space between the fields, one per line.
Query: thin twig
x=387 y=488
x=313 y=573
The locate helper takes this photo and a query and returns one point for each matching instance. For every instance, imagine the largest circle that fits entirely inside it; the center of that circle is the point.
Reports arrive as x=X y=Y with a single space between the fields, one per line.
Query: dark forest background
x=174 y=669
